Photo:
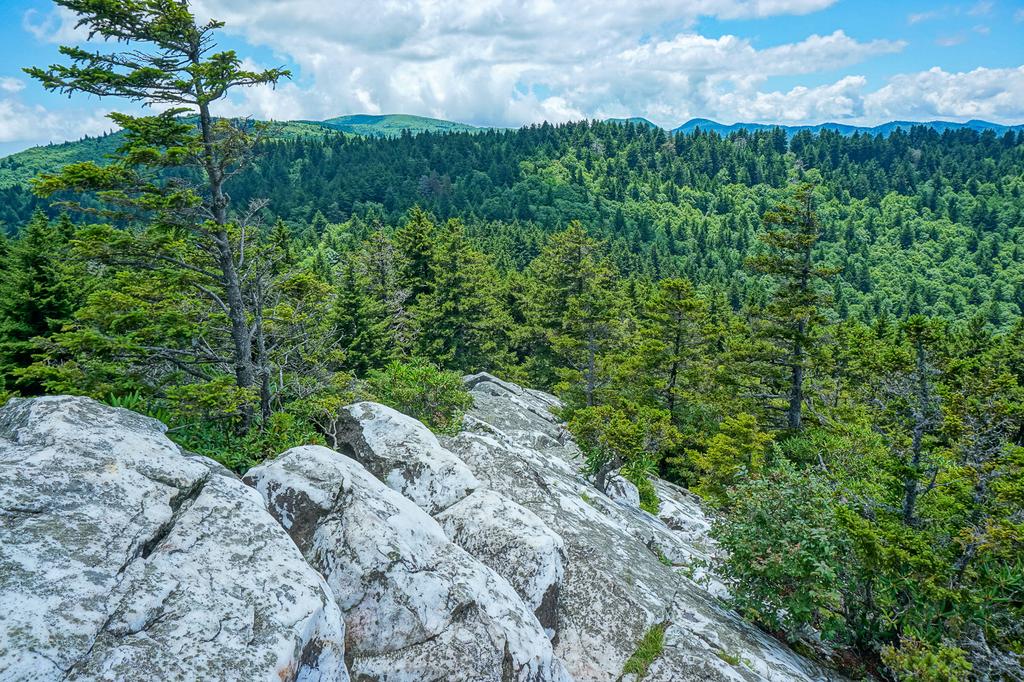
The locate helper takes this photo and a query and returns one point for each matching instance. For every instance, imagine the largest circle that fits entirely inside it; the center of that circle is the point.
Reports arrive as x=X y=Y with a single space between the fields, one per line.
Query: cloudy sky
x=507 y=63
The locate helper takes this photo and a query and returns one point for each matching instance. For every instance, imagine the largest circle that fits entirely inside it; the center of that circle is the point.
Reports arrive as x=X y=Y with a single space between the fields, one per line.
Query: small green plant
x=651 y=645
x=731 y=659
x=662 y=558
x=917 y=659
x=420 y=389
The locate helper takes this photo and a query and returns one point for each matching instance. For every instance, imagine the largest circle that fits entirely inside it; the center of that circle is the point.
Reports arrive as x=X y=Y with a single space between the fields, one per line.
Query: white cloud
x=56 y=26
x=990 y=94
x=25 y=123
x=981 y=8
x=509 y=62
x=11 y=85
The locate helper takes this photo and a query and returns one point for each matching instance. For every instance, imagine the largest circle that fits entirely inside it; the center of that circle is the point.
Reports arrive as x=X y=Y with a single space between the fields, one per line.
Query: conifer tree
x=38 y=295
x=793 y=317
x=573 y=307
x=169 y=60
x=675 y=328
x=414 y=242
x=361 y=324
x=459 y=325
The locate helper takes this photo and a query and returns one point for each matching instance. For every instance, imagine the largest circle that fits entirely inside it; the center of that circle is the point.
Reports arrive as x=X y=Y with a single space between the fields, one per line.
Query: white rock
x=404 y=454
x=622 y=491
x=515 y=543
x=120 y=558
x=625 y=569
x=416 y=606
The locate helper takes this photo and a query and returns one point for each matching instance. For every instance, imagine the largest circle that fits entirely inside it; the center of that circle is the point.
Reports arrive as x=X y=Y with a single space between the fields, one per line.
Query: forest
x=822 y=336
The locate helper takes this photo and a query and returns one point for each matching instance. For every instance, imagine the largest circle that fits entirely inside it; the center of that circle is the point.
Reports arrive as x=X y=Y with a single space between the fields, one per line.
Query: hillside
x=391 y=125
x=844 y=129
x=18 y=168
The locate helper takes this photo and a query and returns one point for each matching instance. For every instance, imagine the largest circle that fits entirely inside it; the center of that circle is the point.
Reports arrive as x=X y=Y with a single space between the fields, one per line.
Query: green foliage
x=39 y=291
x=631 y=439
x=736 y=450
x=422 y=390
x=916 y=659
x=679 y=293
x=783 y=548
x=648 y=649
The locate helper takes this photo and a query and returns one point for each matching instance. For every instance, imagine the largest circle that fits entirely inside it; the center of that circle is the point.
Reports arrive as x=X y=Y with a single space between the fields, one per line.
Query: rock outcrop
x=626 y=571
x=121 y=558
x=397 y=556
x=416 y=606
x=404 y=454
x=516 y=544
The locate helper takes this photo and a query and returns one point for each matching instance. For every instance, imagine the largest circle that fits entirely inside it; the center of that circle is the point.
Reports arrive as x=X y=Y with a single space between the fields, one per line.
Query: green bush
x=415 y=387
x=782 y=551
x=631 y=439
x=921 y=661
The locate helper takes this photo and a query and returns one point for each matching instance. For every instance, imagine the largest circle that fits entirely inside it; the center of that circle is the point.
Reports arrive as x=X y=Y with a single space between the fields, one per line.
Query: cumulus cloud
x=508 y=62
x=56 y=26
x=511 y=62
x=8 y=84
x=990 y=94
x=21 y=122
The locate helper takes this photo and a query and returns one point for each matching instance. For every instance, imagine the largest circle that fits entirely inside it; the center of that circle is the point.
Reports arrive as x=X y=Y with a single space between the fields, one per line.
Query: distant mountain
x=20 y=167
x=392 y=125
x=842 y=128
x=635 y=120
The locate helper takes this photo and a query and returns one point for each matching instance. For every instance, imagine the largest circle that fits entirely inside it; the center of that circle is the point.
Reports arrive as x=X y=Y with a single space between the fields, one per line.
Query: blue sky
x=504 y=62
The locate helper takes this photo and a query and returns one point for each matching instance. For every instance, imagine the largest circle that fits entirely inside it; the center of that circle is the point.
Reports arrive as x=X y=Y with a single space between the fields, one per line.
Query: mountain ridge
x=17 y=168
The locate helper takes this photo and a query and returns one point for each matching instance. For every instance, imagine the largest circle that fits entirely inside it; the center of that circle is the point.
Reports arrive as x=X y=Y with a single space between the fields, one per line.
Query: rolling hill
x=20 y=167
x=392 y=125
x=842 y=128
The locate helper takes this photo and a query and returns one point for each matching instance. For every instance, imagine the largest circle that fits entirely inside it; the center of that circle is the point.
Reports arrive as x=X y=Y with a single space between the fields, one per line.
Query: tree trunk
x=796 y=388
x=242 y=353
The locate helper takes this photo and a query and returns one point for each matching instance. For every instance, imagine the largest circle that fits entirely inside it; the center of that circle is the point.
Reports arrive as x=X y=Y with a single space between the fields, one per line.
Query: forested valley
x=822 y=336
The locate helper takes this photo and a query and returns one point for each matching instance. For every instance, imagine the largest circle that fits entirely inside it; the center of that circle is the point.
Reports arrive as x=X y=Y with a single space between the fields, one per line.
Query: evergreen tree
x=171 y=63
x=573 y=307
x=793 y=317
x=39 y=292
x=415 y=242
x=361 y=324
x=459 y=325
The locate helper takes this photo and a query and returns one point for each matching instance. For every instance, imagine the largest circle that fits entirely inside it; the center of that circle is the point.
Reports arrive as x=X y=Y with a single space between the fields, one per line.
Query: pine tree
x=573 y=311
x=793 y=317
x=458 y=324
x=171 y=64
x=414 y=242
x=361 y=324
x=676 y=333
x=38 y=295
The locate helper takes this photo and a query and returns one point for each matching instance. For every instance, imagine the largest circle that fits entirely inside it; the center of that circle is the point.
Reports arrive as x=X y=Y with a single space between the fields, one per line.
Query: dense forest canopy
x=919 y=221
x=821 y=335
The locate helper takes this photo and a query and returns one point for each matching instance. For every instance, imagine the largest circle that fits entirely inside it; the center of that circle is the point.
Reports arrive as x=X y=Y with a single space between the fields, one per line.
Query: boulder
x=417 y=607
x=404 y=454
x=122 y=558
x=515 y=543
x=626 y=571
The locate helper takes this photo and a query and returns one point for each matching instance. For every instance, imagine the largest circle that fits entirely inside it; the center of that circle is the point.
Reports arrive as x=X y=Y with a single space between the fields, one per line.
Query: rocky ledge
x=395 y=556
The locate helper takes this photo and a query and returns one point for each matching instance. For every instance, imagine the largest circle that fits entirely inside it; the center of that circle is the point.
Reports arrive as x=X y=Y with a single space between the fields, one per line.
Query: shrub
x=631 y=438
x=782 y=551
x=436 y=397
